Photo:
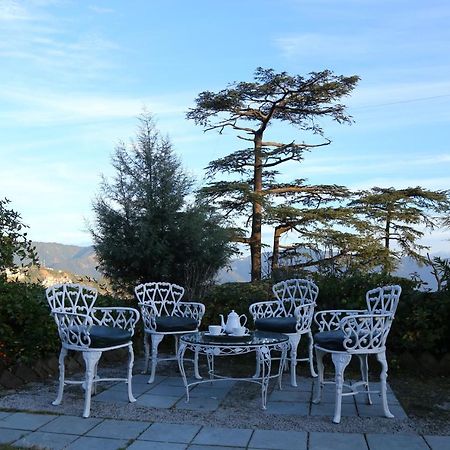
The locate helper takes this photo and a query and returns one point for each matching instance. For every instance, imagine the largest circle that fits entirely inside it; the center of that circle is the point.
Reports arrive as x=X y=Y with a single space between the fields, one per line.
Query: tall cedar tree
x=396 y=217
x=249 y=108
x=144 y=229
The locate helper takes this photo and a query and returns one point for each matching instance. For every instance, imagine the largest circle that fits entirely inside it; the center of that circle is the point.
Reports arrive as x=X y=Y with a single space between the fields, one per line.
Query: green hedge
x=422 y=321
x=27 y=332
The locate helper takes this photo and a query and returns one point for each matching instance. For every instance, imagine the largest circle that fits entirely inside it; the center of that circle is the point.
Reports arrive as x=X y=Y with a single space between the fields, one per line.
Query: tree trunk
x=255 y=237
x=276 y=248
x=278 y=232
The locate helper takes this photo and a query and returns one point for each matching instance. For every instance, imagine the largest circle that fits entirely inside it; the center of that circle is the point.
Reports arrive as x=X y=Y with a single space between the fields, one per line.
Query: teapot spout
x=222 y=321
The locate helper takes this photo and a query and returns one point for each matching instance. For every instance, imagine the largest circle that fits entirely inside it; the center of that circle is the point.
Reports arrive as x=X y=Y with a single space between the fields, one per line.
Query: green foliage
x=14 y=243
x=145 y=230
x=251 y=109
x=395 y=217
x=222 y=298
x=27 y=332
x=421 y=322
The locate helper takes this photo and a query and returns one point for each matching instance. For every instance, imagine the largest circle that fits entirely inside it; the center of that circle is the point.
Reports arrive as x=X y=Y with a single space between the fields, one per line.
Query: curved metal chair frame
x=362 y=333
x=294 y=298
x=159 y=299
x=72 y=307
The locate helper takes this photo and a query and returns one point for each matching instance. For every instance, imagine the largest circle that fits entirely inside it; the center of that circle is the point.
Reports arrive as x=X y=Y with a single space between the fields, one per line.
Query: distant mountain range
x=83 y=261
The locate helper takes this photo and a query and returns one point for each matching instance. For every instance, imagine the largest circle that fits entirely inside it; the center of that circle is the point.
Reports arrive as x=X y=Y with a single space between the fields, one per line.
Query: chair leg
x=340 y=361
x=62 y=357
x=365 y=376
x=320 y=369
x=91 y=360
x=156 y=339
x=311 y=354
x=196 y=372
x=294 y=340
x=258 y=368
x=383 y=377
x=146 y=352
x=130 y=373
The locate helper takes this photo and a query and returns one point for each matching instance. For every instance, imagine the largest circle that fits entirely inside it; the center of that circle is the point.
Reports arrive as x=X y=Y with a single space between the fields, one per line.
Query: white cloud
x=100 y=10
x=42 y=107
x=13 y=10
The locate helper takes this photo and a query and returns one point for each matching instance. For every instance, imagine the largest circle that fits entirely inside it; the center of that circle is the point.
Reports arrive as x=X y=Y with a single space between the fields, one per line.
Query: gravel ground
x=240 y=409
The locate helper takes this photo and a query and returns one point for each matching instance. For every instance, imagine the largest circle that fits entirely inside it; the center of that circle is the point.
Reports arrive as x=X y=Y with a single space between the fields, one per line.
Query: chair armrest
x=304 y=315
x=149 y=315
x=365 y=332
x=328 y=320
x=266 y=309
x=73 y=328
x=121 y=317
x=194 y=310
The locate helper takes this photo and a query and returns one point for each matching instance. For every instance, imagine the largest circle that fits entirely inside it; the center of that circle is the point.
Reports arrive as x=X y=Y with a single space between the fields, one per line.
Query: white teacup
x=239 y=331
x=214 y=330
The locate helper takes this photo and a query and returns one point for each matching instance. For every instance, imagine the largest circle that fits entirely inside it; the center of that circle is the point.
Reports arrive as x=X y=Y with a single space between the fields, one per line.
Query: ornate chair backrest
x=366 y=333
x=162 y=297
x=295 y=292
x=68 y=297
x=383 y=299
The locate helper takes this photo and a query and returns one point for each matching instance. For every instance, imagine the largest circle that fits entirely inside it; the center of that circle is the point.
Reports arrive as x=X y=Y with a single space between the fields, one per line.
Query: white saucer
x=207 y=333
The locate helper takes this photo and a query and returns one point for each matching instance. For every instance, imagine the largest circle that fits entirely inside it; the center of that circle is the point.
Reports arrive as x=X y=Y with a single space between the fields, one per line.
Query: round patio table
x=262 y=343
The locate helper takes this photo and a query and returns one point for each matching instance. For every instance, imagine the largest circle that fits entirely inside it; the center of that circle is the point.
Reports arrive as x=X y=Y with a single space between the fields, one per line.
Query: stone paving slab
x=52 y=441
x=223 y=436
x=300 y=409
x=71 y=425
x=145 y=445
x=157 y=401
x=94 y=443
x=279 y=440
x=4 y=414
x=396 y=442
x=337 y=441
x=168 y=432
x=25 y=421
x=198 y=404
x=55 y=432
x=438 y=442
x=118 y=429
x=7 y=436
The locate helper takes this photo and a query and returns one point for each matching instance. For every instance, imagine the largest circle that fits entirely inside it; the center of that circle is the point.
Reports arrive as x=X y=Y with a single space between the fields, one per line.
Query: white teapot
x=233 y=321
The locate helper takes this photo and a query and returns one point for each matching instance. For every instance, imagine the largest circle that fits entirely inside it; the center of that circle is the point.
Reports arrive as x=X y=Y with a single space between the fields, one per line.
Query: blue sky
x=75 y=74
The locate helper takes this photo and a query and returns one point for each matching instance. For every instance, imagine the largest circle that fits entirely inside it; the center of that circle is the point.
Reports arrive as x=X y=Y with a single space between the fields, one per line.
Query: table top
x=254 y=338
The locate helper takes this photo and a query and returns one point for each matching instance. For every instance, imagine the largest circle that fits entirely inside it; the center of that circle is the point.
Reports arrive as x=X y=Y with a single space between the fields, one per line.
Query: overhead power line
x=412 y=100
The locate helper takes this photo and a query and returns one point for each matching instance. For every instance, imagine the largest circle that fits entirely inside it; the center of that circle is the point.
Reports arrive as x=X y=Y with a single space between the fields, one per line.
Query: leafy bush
x=27 y=332
x=222 y=298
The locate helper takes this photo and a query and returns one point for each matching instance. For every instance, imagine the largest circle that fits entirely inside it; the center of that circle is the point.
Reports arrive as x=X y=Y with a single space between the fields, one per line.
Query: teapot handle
x=245 y=319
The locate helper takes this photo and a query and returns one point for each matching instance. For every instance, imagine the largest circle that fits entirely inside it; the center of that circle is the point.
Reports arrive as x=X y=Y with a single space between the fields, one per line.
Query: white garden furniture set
x=279 y=324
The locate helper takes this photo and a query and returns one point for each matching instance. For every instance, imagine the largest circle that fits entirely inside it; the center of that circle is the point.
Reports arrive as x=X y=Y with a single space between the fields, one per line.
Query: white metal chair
x=84 y=328
x=292 y=314
x=344 y=333
x=163 y=313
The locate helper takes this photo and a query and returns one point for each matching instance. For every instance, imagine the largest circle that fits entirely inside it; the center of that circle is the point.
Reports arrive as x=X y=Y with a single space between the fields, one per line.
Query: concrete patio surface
x=221 y=415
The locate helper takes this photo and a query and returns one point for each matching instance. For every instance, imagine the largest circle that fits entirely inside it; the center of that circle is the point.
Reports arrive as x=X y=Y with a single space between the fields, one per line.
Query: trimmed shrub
x=222 y=298
x=27 y=332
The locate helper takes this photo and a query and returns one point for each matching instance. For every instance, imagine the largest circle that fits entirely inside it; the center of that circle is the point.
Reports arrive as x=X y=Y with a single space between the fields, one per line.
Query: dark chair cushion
x=171 y=324
x=330 y=340
x=102 y=336
x=277 y=324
